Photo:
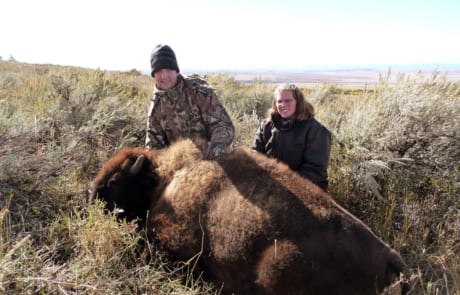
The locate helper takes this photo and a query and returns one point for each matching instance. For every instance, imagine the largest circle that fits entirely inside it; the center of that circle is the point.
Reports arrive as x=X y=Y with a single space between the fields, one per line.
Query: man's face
x=165 y=78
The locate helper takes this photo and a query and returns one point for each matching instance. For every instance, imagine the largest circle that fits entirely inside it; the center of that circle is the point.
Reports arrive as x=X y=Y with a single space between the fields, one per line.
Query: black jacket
x=303 y=145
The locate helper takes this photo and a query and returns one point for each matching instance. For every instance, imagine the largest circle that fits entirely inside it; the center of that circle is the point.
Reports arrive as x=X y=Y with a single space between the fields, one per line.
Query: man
x=185 y=107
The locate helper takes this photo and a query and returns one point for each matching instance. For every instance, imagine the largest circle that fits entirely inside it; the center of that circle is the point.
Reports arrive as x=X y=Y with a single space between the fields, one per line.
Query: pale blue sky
x=231 y=34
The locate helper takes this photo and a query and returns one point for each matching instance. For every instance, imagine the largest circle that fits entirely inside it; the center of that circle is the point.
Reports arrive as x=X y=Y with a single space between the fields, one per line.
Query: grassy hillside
x=395 y=164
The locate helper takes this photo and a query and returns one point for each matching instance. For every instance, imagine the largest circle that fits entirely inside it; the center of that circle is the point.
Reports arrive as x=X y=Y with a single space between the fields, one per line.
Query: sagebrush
x=395 y=164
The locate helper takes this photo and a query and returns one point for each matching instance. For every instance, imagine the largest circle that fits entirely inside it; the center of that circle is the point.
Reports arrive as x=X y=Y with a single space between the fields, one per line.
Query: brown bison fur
x=255 y=226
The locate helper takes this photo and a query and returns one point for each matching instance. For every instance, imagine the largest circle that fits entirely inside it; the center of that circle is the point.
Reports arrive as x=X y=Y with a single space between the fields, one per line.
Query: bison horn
x=137 y=165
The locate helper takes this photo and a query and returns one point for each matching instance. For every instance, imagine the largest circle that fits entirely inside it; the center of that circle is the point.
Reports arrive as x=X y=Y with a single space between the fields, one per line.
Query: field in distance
x=356 y=76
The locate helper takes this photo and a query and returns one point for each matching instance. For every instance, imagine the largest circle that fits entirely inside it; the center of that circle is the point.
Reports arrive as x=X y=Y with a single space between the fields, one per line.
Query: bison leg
x=277 y=270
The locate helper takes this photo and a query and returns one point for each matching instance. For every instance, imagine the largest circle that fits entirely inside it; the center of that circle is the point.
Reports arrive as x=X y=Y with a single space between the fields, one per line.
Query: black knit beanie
x=163 y=57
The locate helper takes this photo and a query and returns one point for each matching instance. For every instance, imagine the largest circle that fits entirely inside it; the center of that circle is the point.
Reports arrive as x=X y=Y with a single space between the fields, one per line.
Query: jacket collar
x=281 y=123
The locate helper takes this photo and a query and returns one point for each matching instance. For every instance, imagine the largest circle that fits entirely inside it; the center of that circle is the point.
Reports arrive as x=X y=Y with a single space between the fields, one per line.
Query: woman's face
x=165 y=78
x=286 y=103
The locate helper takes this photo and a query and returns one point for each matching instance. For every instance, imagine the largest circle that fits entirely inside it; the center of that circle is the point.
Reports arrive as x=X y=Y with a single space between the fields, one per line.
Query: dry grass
x=395 y=164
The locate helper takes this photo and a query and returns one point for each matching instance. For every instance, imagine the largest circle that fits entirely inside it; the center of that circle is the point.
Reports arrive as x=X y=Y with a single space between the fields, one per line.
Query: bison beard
x=260 y=228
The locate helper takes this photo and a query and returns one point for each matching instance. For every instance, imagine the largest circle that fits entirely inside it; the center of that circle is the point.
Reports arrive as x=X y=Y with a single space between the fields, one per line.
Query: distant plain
x=345 y=76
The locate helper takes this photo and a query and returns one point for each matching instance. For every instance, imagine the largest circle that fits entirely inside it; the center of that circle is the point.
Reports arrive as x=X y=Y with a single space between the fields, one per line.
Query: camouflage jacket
x=191 y=109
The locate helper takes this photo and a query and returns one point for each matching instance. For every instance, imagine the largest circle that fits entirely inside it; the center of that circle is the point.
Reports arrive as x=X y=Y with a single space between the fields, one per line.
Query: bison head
x=126 y=182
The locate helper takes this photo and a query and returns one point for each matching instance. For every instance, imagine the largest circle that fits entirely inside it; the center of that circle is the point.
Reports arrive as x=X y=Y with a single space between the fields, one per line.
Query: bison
x=256 y=226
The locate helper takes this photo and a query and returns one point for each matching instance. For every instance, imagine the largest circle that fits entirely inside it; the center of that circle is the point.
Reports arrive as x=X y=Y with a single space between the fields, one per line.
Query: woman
x=292 y=135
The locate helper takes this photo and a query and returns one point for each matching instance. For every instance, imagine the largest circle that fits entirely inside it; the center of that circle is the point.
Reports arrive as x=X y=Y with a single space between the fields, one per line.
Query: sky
x=231 y=34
